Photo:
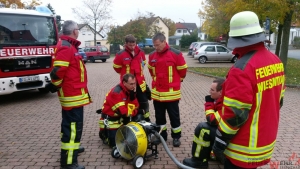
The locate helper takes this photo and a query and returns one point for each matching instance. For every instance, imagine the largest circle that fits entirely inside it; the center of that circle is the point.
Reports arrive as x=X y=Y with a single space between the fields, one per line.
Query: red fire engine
x=27 y=44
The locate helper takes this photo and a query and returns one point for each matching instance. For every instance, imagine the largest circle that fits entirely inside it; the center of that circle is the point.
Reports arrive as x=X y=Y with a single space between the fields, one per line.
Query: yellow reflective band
x=150 y=67
x=170 y=74
x=176 y=130
x=82 y=71
x=200 y=142
x=170 y=93
x=252 y=150
x=246 y=158
x=217 y=116
x=235 y=103
x=73 y=104
x=117 y=66
x=226 y=129
x=146 y=115
x=166 y=98
x=209 y=111
x=153 y=72
x=61 y=92
x=118 y=105
x=254 y=124
x=74 y=98
x=143 y=86
x=127 y=69
x=68 y=146
x=181 y=67
x=72 y=140
x=57 y=83
x=61 y=63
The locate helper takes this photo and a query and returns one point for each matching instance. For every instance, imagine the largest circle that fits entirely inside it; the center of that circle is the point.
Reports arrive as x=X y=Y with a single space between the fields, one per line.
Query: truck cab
x=27 y=44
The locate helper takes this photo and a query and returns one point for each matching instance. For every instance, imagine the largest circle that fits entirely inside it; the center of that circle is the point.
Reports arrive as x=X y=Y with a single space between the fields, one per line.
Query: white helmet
x=244 y=23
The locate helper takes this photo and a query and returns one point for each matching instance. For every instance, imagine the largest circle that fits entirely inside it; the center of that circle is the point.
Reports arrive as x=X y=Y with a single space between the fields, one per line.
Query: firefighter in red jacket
x=70 y=78
x=120 y=105
x=205 y=132
x=253 y=94
x=168 y=69
x=132 y=60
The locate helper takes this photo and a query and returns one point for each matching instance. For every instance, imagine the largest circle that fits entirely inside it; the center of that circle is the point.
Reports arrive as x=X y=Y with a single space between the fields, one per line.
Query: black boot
x=176 y=142
x=72 y=166
x=81 y=149
x=195 y=163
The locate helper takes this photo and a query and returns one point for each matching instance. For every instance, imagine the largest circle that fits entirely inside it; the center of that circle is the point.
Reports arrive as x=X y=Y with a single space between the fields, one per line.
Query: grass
x=292 y=71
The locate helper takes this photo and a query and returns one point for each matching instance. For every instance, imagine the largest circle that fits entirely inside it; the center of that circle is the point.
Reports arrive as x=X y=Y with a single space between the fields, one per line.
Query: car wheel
x=234 y=59
x=103 y=60
x=92 y=59
x=84 y=62
x=202 y=59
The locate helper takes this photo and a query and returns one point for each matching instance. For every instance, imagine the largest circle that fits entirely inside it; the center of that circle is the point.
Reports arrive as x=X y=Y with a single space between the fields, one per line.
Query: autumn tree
x=171 y=25
x=96 y=14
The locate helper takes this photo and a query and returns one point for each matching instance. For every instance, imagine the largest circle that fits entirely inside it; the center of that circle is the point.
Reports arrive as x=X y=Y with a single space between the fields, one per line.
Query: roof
x=23 y=12
x=189 y=26
x=149 y=21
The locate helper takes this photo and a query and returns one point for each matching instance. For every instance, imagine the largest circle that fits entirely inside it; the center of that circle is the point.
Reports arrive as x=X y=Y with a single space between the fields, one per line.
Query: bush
x=296 y=42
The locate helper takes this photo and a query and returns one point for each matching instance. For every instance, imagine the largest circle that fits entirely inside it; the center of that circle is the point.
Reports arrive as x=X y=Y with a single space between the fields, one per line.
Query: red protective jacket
x=213 y=110
x=126 y=62
x=117 y=102
x=69 y=74
x=252 y=94
x=167 y=68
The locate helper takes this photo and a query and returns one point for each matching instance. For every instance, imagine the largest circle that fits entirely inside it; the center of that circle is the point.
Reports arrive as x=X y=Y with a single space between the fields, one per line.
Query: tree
x=7 y=3
x=96 y=14
x=186 y=40
x=171 y=25
x=58 y=24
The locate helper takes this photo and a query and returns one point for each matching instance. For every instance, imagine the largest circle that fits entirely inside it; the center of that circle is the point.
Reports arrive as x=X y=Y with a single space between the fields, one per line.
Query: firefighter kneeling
x=120 y=106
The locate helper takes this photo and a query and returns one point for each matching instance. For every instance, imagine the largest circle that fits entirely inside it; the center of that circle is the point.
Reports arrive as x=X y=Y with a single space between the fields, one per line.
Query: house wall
x=158 y=22
x=177 y=33
x=86 y=37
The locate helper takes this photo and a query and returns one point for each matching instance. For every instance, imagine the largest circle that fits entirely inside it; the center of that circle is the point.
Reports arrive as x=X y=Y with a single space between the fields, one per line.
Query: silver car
x=214 y=53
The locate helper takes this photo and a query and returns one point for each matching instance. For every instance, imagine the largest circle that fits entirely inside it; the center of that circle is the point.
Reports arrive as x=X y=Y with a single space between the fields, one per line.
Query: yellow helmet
x=244 y=23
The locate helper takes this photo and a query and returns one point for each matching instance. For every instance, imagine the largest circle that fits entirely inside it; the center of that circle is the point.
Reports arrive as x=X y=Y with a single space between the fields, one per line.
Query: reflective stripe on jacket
x=167 y=68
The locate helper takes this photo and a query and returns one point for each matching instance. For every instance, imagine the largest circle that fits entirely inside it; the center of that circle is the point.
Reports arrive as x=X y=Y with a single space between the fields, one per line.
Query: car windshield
x=25 y=30
x=80 y=50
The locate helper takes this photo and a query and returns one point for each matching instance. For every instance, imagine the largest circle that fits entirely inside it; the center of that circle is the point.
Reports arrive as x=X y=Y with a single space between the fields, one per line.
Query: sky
x=124 y=10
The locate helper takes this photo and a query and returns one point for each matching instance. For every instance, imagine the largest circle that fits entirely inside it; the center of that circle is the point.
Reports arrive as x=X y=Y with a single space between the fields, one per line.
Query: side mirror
x=58 y=18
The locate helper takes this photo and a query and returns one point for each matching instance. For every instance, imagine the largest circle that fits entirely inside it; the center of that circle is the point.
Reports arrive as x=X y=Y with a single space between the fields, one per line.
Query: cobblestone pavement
x=30 y=125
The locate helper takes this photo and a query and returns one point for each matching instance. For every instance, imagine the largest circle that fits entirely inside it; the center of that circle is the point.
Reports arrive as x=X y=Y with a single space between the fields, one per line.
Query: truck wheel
x=103 y=60
x=43 y=90
x=92 y=59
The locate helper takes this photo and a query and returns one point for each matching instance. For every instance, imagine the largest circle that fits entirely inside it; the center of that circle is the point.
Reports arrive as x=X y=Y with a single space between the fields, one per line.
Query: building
x=182 y=29
x=86 y=36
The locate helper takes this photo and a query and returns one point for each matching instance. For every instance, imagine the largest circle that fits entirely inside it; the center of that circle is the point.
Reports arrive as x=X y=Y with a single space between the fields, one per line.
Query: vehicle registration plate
x=29 y=79
x=104 y=53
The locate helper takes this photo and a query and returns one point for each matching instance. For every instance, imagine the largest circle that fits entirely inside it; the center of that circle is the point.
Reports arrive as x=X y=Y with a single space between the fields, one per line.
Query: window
x=103 y=49
x=221 y=49
x=210 y=49
x=184 y=31
x=93 y=49
x=178 y=31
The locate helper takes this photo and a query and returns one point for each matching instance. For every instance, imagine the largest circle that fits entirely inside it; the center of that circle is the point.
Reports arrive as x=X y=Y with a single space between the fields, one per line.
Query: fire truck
x=27 y=43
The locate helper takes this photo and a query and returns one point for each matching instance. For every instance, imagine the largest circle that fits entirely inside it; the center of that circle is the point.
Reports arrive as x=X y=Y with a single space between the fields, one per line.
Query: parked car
x=83 y=55
x=200 y=44
x=214 y=53
x=94 y=53
x=148 y=43
x=191 y=48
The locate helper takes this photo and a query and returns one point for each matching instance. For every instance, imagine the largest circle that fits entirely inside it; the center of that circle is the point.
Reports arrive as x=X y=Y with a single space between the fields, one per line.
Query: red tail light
x=196 y=53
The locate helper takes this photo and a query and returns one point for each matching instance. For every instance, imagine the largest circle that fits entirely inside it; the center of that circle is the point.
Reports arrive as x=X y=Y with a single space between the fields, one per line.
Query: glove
x=219 y=148
x=209 y=99
x=51 y=87
x=99 y=111
x=148 y=92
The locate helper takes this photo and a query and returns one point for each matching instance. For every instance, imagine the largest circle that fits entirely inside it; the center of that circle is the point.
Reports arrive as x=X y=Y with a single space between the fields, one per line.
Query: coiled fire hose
x=169 y=152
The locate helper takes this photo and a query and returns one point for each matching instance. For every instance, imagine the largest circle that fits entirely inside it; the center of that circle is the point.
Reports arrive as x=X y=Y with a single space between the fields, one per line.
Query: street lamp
x=182 y=20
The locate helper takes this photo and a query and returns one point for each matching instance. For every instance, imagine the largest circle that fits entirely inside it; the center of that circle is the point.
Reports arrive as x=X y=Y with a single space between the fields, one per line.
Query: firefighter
x=205 y=132
x=168 y=69
x=69 y=77
x=253 y=95
x=132 y=60
x=120 y=105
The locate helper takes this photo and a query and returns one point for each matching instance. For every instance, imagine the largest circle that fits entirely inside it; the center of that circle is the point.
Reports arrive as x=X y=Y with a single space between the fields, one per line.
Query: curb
x=207 y=75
